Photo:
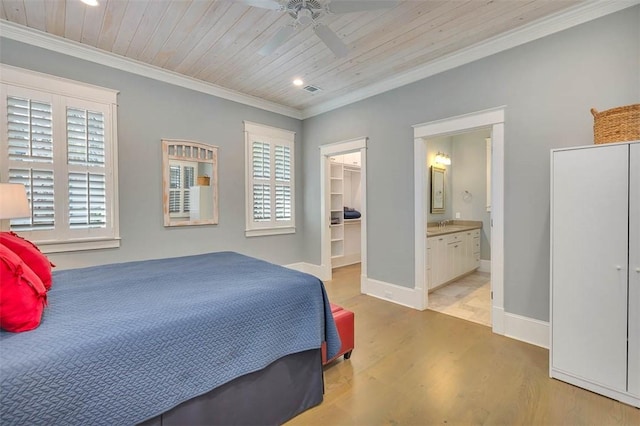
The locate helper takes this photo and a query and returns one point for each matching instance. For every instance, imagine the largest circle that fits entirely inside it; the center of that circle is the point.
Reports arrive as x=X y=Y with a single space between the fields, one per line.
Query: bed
x=213 y=338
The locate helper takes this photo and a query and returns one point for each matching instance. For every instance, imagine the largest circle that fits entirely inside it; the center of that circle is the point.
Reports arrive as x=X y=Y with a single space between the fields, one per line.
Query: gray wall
x=469 y=173
x=548 y=86
x=149 y=110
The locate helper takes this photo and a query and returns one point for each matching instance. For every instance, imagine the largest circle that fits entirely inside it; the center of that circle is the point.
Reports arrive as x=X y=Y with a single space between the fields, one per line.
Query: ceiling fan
x=306 y=12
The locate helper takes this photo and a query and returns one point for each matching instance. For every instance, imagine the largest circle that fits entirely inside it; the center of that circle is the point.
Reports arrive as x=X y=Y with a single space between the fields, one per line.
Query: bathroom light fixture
x=90 y=2
x=443 y=159
x=298 y=82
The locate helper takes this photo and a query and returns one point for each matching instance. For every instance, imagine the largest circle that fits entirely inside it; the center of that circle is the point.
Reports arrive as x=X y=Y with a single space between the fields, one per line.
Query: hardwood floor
x=423 y=368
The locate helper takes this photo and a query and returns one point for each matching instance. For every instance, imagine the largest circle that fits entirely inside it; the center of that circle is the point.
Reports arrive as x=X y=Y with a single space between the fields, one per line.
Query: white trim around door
x=493 y=119
x=326 y=151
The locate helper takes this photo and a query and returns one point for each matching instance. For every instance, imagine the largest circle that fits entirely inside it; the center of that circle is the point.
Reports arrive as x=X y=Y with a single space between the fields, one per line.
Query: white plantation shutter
x=87 y=201
x=189 y=181
x=283 y=202
x=261 y=202
x=270 y=190
x=40 y=192
x=175 y=173
x=85 y=137
x=261 y=164
x=29 y=130
x=261 y=160
x=62 y=149
x=86 y=161
x=182 y=176
x=283 y=163
x=283 y=182
x=30 y=146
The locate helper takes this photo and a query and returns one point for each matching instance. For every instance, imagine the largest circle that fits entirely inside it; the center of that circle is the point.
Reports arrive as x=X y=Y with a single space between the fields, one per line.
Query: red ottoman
x=344 y=320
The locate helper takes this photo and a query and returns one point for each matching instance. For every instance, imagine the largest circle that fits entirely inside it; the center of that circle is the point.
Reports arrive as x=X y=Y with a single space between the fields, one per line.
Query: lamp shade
x=13 y=201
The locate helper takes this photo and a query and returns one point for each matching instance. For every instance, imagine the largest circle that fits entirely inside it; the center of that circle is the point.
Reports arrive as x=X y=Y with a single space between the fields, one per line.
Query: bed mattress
x=122 y=343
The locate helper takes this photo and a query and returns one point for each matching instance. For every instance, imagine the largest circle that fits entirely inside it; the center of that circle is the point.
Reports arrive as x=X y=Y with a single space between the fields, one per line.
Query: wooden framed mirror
x=190 y=183
x=437 y=190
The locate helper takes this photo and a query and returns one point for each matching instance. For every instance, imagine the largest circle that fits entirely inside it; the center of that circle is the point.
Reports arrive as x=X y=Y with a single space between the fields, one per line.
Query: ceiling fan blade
x=277 y=40
x=332 y=40
x=348 y=6
x=263 y=4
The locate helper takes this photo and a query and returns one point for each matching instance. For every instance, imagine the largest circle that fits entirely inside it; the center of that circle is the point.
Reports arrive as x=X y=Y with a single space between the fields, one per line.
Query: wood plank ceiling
x=218 y=41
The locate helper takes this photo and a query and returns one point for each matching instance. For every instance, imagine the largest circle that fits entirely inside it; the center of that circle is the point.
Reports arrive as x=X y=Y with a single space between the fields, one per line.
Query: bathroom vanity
x=453 y=250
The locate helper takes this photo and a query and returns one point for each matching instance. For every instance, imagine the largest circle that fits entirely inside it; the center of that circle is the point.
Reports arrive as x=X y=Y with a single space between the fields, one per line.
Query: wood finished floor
x=426 y=368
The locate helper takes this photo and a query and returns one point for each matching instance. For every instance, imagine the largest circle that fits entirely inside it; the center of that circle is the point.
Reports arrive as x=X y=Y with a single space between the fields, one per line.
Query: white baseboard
x=404 y=296
x=515 y=326
x=526 y=329
x=319 y=271
x=485 y=266
x=497 y=318
x=299 y=266
x=347 y=259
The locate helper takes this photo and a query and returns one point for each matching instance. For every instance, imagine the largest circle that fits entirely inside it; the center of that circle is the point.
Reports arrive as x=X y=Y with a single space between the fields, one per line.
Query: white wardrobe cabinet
x=595 y=269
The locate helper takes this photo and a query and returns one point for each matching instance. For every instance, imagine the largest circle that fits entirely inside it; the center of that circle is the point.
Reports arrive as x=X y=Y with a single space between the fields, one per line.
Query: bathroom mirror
x=437 y=190
x=190 y=183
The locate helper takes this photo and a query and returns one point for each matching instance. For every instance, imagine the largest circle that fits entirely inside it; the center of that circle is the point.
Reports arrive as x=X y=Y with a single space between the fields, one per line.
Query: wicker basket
x=616 y=125
x=203 y=180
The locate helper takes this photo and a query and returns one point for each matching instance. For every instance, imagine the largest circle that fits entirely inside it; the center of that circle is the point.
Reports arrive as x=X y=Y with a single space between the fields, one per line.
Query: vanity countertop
x=455 y=226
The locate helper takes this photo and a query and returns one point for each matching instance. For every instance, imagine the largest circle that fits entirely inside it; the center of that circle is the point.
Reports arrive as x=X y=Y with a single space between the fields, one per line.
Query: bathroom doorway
x=490 y=118
x=459 y=233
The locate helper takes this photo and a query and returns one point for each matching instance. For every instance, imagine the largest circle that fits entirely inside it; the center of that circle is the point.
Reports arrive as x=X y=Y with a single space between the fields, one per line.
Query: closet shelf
x=347 y=221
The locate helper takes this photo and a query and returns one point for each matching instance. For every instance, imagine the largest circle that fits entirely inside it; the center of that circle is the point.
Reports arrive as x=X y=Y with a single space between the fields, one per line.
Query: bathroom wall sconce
x=443 y=159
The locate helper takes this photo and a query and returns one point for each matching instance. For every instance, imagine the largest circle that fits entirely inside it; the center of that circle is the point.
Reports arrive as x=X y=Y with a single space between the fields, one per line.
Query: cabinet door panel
x=634 y=270
x=438 y=266
x=589 y=269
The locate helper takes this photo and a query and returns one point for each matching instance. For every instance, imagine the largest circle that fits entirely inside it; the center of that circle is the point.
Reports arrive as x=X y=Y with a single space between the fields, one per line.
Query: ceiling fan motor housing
x=293 y=7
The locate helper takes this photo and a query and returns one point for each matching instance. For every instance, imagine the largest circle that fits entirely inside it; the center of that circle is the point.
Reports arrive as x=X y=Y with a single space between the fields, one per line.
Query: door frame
x=326 y=151
x=491 y=118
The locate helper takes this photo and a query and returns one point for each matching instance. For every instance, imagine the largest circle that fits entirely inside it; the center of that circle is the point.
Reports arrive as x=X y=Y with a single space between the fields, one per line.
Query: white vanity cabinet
x=452 y=255
x=595 y=269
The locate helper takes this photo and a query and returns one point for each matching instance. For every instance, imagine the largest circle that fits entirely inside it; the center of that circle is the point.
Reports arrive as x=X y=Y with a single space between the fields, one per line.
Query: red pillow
x=22 y=294
x=31 y=255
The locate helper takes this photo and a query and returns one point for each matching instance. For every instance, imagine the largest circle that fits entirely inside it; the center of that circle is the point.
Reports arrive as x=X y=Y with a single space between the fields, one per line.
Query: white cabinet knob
x=638 y=270
x=618 y=267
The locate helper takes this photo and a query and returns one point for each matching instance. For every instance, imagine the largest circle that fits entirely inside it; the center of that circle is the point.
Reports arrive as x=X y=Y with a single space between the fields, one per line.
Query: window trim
x=27 y=80
x=283 y=137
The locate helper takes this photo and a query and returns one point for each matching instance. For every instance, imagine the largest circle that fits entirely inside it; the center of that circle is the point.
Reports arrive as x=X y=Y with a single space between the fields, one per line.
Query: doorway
x=494 y=120
x=459 y=232
x=339 y=237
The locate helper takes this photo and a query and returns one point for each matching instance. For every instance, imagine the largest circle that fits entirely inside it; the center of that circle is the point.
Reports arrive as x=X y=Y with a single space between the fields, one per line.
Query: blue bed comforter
x=122 y=343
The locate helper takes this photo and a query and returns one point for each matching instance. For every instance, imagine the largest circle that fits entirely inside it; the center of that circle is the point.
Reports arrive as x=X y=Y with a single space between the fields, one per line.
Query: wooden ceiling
x=218 y=41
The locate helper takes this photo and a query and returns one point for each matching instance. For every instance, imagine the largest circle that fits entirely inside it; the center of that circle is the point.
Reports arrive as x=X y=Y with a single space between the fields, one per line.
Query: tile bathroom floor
x=468 y=298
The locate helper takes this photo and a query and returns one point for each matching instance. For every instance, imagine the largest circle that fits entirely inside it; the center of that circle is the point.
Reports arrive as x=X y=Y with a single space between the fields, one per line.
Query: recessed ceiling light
x=90 y=2
x=298 y=82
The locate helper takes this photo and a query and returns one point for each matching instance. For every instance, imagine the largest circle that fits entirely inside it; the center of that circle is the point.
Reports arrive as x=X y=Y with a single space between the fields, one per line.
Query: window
x=269 y=180
x=60 y=143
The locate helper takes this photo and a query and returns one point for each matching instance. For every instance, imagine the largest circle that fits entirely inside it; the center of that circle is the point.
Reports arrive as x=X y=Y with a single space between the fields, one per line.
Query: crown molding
x=58 y=44
x=585 y=12
x=543 y=27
